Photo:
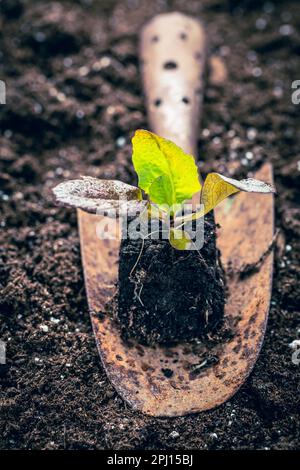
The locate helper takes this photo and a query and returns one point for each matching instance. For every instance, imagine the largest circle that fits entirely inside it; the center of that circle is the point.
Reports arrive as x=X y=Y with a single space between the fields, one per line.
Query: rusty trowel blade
x=136 y=371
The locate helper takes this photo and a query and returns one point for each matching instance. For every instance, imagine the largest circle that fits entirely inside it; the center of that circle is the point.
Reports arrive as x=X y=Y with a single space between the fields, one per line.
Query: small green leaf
x=217 y=187
x=180 y=240
x=166 y=173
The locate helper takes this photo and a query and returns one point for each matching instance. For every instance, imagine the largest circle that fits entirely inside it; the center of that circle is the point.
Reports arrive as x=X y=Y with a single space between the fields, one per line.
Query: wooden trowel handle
x=173 y=53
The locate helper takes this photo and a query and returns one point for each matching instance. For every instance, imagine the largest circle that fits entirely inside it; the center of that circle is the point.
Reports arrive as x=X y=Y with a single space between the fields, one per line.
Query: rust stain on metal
x=147 y=389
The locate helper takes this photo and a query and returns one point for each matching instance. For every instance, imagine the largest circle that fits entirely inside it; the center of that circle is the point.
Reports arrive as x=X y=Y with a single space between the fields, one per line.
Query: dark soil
x=73 y=101
x=167 y=295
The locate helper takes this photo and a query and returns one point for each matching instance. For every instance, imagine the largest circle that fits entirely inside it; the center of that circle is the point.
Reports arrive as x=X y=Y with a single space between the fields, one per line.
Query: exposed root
x=141 y=251
x=138 y=259
x=138 y=287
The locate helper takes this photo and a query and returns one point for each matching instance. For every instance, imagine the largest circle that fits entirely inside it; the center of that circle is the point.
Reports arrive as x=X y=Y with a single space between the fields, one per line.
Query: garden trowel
x=173 y=57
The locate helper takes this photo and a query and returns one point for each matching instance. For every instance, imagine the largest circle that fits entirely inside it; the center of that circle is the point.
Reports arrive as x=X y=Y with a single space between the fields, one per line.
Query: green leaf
x=180 y=240
x=166 y=173
x=161 y=191
x=217 y=187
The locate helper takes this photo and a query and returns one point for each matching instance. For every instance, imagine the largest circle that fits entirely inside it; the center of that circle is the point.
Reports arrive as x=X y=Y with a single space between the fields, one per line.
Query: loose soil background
x=73 y=100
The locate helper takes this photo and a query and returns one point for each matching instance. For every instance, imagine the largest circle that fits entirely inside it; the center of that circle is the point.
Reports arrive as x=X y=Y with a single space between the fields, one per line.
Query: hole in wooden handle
x=170 y=65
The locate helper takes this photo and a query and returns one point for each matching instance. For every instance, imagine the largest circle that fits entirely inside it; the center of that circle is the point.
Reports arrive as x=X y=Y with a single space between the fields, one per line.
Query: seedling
x=169 y=178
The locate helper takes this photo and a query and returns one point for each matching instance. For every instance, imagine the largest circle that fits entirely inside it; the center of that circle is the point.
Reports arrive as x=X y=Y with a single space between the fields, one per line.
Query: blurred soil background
x=74 y=99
